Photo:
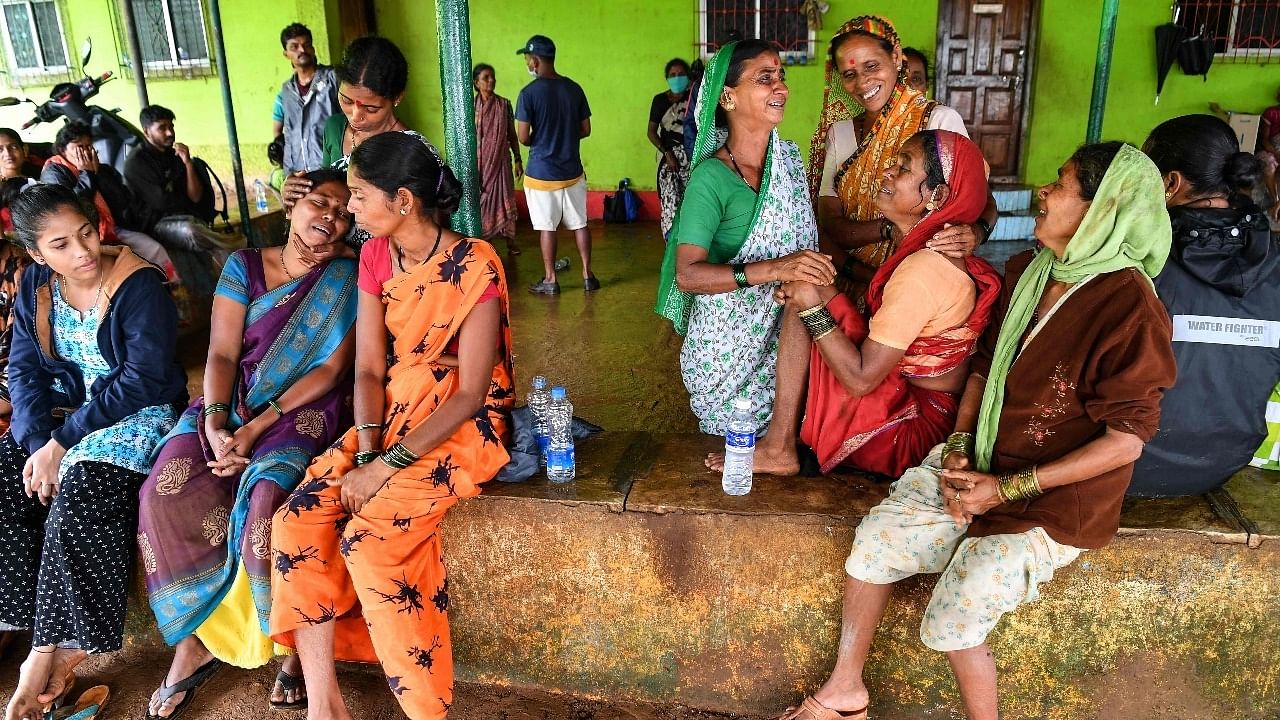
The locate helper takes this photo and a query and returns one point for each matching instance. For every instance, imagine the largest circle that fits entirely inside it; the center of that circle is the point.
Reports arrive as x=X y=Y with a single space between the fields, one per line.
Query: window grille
x=33 y=40
x=171 y=36
x=781 y=22
x=1241 y=30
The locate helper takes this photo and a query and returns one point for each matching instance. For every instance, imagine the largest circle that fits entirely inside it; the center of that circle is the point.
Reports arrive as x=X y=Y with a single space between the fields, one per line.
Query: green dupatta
x=674 y=303
x=1126 y=226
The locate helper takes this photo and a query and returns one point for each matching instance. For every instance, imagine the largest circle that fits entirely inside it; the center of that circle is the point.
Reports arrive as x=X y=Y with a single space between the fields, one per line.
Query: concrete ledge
x=688 y=595
x=643 y=580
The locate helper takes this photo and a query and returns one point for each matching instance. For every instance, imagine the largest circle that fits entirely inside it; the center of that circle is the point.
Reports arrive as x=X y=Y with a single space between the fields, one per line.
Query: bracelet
x=364 y=458
x=215 y=408
x=987 y=228
x=399 y=457
x=275 y=406
x=819 y=323
x=368 y=426
x=959 y=442
x=886 y=230
x=740 y=275
x=1022 y=485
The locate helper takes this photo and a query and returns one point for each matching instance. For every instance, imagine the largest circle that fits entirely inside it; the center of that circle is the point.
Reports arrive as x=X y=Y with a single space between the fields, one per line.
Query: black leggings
x=65 y=567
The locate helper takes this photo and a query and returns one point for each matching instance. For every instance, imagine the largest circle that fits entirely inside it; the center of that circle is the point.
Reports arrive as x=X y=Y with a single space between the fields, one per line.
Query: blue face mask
x=678 y=84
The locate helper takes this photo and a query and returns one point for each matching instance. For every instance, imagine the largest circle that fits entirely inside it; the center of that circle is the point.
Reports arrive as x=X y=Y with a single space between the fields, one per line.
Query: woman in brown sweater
x=1062 y=396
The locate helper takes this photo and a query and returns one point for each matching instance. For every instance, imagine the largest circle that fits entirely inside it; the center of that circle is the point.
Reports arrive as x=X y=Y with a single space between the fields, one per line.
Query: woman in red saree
x=883 y=389
x=357 y=568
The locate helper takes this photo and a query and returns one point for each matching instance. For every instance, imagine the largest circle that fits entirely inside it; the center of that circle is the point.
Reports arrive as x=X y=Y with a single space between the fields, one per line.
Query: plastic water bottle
x=259 y=196
x=560 y=458
x=739 y=449
x=539 y=399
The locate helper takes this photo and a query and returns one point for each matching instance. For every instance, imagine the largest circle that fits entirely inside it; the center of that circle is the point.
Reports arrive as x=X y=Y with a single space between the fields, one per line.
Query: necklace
x=434 y=247
x=737 y=169
x=285 y=267
x=97 y=295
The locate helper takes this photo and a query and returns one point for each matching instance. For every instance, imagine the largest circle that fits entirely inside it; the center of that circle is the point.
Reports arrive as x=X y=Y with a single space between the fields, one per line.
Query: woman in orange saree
x=883 y=389
x=358 y=574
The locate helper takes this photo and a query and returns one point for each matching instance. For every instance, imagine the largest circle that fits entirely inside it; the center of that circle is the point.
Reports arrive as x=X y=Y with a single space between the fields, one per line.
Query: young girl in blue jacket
x=95 y=384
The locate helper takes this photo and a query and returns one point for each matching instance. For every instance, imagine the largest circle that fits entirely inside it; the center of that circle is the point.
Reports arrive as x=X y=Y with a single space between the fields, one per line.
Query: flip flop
x=68 y=684
x=188 y=685
x=90 y=704
x=811 y=709
x=289 y=683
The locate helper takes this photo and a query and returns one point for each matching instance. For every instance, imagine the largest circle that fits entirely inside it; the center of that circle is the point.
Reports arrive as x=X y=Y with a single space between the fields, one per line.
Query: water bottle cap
x=742 y=403
x=539 y=382
x=557 y=393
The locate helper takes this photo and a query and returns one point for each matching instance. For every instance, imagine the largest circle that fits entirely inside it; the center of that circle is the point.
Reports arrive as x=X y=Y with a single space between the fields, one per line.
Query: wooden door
x=984 y=61
x=357 y=19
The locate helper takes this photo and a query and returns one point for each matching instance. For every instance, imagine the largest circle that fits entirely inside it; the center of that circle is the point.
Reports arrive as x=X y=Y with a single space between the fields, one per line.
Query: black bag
x=623 y=206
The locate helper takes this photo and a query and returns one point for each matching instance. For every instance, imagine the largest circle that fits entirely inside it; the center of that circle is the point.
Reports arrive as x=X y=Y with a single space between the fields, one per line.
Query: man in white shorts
x=552 y=117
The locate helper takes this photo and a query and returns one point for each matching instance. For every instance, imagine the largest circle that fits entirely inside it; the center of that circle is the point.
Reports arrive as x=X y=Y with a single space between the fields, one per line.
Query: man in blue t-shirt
x=552 y=117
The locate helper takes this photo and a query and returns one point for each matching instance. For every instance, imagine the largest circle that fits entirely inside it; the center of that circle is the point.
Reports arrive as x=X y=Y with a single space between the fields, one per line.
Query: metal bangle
x=275 y=406
x=215 y=408
x=740 y=275
x=368 y=426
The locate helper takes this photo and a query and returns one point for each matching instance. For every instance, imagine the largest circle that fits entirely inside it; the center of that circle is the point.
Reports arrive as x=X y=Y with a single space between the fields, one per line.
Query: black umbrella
x=1168 y=38
x=1195 y=55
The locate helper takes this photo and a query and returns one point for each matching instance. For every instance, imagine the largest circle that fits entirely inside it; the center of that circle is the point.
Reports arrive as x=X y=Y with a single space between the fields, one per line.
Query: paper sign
x=988 y=8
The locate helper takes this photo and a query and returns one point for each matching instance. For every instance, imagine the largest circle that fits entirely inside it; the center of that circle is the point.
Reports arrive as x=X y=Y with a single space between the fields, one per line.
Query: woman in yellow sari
x=357 y=572
x=869 y=111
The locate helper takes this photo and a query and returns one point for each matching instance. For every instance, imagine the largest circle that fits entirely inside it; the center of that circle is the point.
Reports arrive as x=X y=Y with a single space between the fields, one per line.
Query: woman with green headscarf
x=1062 y=396
x=744 y=226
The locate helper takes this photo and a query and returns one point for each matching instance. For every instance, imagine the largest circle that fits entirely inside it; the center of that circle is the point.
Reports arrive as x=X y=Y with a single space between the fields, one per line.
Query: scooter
x=113 y=136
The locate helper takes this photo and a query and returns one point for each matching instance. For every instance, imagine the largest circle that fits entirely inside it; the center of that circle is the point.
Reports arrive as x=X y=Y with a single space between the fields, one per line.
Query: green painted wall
x=617 y=50
x=252 y=35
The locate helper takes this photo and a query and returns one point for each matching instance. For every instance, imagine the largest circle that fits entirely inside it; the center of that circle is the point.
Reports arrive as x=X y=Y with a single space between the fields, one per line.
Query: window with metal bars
x=1240 y=30
x=781 y=22
x=171 y=36
x=33 y=41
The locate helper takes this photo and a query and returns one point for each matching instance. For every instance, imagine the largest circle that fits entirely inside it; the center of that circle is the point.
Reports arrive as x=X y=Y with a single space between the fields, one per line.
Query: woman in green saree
x=745 y=226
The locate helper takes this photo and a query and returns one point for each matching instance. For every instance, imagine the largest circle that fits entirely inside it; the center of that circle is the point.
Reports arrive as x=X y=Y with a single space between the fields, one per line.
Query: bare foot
x=292 y=666
x=60 y=676
x=32 y=678
x=767 y=461
x=190 y=654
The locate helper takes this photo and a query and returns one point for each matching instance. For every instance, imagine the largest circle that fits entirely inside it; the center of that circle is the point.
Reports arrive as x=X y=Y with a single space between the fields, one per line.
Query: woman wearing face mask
x=280 y=350
x=666 y=133
x=869 y=110
x=497 y=148
x=744 y=226
x=95 y=384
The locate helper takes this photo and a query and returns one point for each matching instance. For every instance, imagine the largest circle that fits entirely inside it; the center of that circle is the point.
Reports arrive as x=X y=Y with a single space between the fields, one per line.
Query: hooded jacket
x=1222 y=289
x=137 y=335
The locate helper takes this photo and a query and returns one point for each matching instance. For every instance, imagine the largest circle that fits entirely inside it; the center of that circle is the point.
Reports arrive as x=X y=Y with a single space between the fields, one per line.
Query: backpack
x=624 y=205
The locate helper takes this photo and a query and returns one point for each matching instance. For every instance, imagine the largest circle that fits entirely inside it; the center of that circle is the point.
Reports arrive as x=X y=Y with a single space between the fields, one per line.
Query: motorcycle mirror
x=86 y=50
x=9 y=101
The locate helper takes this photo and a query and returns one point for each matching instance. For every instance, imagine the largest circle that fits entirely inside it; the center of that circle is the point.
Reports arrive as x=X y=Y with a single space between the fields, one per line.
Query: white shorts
x=547 y=208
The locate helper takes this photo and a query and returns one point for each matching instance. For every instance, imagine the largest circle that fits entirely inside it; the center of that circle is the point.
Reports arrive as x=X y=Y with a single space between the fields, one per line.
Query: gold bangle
x=816 y=338
x=810 y=312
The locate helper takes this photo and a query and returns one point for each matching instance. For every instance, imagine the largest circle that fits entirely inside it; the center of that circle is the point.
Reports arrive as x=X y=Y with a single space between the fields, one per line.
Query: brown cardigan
x=1103 y=360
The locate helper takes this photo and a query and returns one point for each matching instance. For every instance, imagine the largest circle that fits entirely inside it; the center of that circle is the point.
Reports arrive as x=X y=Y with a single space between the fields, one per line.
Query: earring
x=929 y=206
x=404 y=211
x=1168 y=196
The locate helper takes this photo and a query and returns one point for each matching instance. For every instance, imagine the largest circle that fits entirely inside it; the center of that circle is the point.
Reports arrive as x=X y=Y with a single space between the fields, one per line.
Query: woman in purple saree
x=276 y=394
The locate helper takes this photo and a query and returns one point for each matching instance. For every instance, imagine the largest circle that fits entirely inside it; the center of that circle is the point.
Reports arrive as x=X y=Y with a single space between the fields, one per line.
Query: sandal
x=289 y=683
x=189 y=685
x=811 y=709
x=90 y=704
x=68 y=684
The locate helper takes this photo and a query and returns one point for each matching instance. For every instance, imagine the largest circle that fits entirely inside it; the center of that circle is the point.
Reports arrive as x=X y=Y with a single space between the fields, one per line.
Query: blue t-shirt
x=554 y=109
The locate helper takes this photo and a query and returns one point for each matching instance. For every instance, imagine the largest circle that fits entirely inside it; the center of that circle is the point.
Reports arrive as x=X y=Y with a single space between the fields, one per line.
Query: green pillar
x=454 y=30
x=1102 y=69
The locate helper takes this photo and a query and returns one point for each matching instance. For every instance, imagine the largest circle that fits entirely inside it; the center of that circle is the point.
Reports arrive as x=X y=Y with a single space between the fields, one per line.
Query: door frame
x=1029 y=62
